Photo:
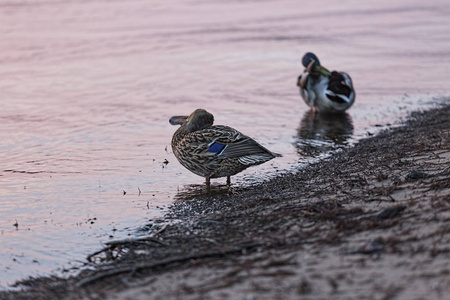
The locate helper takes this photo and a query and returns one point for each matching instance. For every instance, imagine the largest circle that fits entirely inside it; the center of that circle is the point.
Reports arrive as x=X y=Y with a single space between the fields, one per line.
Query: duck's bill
x=178 y=120
x=323 y=71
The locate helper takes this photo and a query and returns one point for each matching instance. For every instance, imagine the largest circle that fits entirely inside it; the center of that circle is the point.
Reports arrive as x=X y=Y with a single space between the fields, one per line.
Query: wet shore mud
x=370 y=222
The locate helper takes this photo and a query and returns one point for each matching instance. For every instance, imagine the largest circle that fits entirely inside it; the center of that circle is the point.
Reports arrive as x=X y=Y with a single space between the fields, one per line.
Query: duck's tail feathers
x=255 y=159
x=277 y=154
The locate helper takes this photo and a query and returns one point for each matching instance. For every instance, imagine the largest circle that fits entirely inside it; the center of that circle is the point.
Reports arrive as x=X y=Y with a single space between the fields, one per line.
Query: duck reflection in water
x=194 y=192
x=322 y=133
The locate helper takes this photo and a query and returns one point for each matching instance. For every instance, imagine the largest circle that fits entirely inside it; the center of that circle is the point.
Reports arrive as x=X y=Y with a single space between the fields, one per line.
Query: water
x=87 y=89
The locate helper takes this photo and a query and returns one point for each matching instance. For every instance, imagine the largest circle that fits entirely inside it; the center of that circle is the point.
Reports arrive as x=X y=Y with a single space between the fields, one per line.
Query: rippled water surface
x=87 y=89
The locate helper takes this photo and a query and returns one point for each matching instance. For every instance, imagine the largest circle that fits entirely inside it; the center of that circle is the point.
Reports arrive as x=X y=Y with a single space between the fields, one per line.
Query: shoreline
x=370 y=222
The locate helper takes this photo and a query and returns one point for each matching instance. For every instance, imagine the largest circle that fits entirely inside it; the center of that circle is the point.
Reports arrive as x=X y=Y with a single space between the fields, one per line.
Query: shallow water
x=87 y=89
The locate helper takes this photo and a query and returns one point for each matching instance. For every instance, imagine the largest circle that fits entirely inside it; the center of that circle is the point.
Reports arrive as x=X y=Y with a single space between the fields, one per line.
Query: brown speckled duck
x=322 y=90
x=214 y=151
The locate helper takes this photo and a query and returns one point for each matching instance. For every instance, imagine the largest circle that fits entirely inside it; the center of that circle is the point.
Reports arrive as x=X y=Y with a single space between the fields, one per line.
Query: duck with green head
x=214 y=151
x=322 y=90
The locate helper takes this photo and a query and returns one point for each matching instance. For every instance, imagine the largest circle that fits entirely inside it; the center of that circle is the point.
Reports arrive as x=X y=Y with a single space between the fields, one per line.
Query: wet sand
x=371 y=222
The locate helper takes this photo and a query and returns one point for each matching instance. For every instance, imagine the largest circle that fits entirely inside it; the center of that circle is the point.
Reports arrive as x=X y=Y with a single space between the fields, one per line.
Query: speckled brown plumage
x=214 y=151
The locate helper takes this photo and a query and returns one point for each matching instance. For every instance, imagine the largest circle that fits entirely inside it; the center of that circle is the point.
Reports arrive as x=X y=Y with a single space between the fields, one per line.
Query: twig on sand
x=125 y=242
x=90 y=256
x=161 y=230
x=150 y=238
x=180 y=259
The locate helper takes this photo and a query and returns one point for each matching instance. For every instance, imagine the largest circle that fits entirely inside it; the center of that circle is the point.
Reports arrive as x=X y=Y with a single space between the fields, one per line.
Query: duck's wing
x=340 y=88
x=230 y=143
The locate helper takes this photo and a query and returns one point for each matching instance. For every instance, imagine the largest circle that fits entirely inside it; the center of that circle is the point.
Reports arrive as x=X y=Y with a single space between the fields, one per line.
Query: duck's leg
x=230 y=190
x=208 y=183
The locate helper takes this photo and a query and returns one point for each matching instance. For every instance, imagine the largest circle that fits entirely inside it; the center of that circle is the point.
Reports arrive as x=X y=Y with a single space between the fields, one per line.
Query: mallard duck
x=322 y=90
x=214 y=151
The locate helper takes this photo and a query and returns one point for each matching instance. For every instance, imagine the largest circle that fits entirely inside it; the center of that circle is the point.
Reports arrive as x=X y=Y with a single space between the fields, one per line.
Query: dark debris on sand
x=371 y=222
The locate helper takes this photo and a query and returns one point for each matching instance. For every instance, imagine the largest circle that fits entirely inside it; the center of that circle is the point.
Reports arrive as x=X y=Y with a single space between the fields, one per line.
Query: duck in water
x=322 y=90
x=214 y=151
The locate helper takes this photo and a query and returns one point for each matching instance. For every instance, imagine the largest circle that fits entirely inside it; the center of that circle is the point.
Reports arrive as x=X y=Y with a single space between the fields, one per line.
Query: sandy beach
x=370 y=222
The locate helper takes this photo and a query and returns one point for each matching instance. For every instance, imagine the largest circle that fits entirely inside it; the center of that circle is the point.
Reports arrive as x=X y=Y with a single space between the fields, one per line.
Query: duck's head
x=197 y=120
x=312 y=66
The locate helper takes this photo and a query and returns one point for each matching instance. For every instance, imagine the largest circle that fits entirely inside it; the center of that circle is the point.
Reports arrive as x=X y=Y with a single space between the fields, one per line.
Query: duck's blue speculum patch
x=216 y=148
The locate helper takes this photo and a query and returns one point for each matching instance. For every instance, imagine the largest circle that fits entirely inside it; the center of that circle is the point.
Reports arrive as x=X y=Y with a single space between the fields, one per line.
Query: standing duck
x=214 y=151
x=322 y=90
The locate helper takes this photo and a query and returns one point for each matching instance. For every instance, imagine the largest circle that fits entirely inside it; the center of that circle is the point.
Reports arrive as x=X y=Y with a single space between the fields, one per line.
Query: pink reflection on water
x=88 y=88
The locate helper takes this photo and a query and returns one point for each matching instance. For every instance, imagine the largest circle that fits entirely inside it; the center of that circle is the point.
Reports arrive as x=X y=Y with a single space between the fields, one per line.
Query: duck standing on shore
x=214 y=151
x=322 y=90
